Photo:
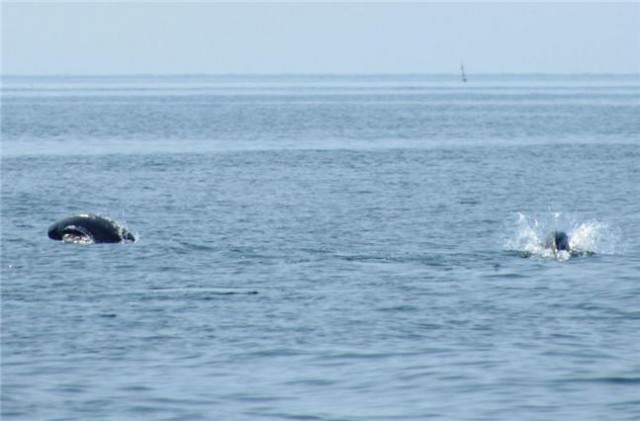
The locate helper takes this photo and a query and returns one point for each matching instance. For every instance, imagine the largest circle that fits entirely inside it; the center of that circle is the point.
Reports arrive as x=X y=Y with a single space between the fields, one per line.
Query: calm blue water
x=322 y=247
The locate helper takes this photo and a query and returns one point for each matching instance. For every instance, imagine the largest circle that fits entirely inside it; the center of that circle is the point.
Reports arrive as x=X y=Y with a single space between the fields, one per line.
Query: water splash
x=77 y=239
x=585 y=237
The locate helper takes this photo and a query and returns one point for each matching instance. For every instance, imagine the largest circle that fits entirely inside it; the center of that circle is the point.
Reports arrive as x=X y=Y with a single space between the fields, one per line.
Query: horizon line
x=338 y=74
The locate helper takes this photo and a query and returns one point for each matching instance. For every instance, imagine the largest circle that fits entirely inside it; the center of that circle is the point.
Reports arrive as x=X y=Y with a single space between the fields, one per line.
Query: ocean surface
x=322 y=248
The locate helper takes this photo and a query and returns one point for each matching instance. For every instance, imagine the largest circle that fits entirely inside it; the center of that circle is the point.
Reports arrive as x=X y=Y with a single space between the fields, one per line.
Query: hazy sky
x=108 y=38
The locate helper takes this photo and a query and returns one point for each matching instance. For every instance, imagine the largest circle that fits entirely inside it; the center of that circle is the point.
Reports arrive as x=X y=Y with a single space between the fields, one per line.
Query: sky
x=357 y=37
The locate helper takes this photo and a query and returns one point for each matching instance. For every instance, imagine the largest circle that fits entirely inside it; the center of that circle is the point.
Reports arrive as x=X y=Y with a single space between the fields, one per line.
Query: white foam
x=585 y=237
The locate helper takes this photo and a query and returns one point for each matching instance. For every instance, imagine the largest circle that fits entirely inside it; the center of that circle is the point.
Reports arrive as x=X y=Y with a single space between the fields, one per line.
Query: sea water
x=322 y=247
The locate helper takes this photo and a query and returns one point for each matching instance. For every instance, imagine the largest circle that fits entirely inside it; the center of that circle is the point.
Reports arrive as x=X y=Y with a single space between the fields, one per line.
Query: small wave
x=620 y=380
x=585 y=237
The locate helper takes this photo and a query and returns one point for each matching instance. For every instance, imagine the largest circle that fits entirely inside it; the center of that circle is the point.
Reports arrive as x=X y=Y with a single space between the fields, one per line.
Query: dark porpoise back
x=557 y=240
x=98 y=228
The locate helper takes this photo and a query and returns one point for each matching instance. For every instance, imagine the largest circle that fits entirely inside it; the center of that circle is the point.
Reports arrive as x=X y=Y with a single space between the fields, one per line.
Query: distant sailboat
x=464 y=77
